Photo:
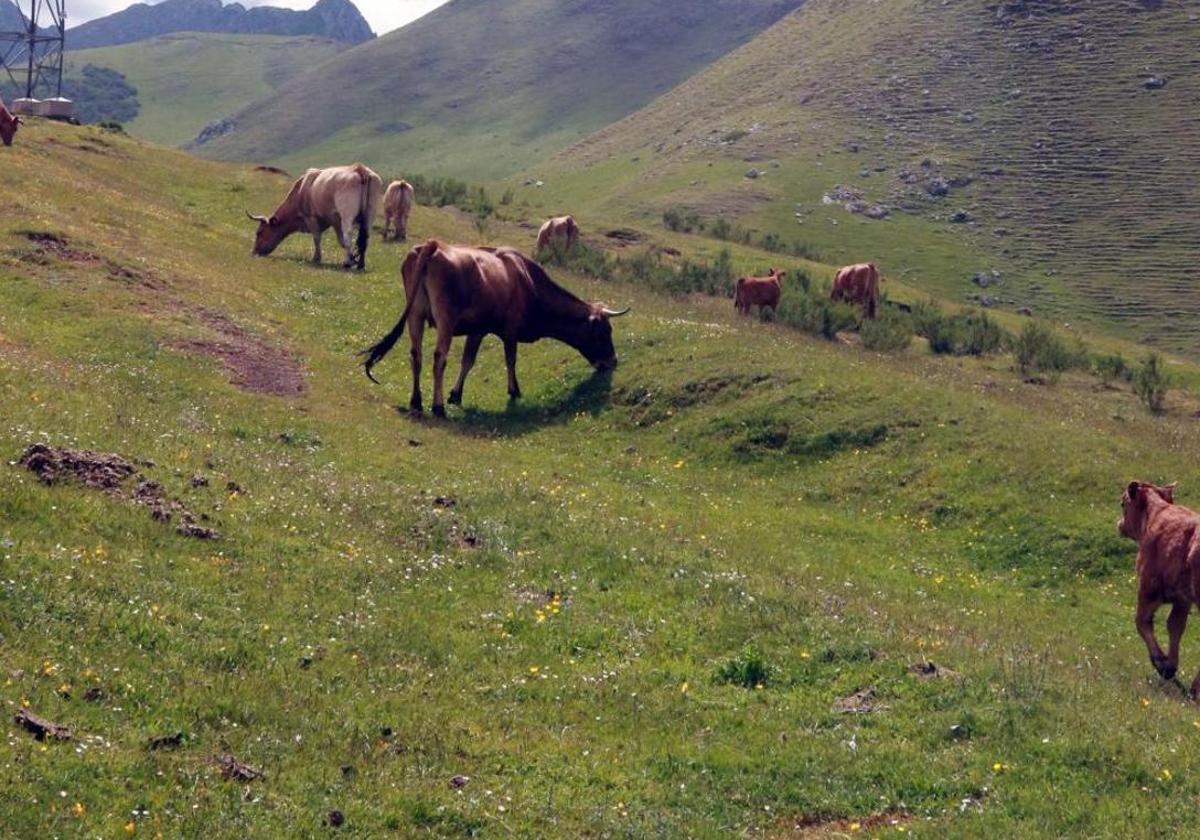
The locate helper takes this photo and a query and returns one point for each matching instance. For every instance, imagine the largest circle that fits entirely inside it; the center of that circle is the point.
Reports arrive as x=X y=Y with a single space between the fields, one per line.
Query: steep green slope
x=187 y=80
x=480 y=88
x=1082 y=191
x=638 y=607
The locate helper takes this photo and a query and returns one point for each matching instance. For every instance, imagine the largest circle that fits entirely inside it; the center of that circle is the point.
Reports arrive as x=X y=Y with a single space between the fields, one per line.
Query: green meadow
x=755 y=583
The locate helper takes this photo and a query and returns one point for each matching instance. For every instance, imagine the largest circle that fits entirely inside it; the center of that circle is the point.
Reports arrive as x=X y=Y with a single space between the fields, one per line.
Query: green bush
x=891 y=332
x=748 y=670
x=439 y=192
x=681 y=220
x=814 y=313
x=968 y=334
x=980 y=335
x=1151 y=382
x=1039 y=348
x=1111 y=367
x=721 y=229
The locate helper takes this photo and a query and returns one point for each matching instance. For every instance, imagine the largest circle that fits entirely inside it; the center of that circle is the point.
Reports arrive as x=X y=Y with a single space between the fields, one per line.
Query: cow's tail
x=368 y=202
x=381 y=348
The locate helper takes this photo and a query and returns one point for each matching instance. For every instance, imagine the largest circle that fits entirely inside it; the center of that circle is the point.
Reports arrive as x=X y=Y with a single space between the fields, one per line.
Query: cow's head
x=594 y=339
x=778 y=275
x=8 y=127
x=1135 y=506
x=270 y=233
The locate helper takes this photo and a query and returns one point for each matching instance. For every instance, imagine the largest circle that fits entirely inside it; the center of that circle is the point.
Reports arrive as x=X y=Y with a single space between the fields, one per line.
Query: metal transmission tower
x=33 y=57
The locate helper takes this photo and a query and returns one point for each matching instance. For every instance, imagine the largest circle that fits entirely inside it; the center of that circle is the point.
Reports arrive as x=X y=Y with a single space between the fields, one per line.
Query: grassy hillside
x=187 y=80
x=481 y=89
x=645 y=607
x=1066 y=168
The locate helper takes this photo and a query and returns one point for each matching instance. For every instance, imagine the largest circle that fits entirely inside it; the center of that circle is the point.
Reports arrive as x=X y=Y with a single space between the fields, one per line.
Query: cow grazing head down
x=8 y=125
x=1135 y=505
x=270 y=233
x=594 y=339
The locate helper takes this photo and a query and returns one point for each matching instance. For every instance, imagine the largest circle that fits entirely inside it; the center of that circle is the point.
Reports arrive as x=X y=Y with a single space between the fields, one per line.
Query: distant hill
x=337 y=20
x=187 y=80
x=11 y=20
x=1027 y=154
x=481 y=88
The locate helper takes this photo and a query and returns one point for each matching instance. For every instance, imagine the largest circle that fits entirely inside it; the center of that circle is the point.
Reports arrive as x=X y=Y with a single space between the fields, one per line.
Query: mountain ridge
x=338 y=20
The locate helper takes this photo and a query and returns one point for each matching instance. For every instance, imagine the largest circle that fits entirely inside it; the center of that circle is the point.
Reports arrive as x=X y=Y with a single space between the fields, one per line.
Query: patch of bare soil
x=254 y=365
x=859 y=703
x=41 y=728
x=112 y=474
x=818 y=828
x=236 y=771
x=47 y=245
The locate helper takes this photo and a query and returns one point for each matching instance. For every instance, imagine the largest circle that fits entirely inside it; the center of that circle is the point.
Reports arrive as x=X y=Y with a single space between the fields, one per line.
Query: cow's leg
x=316 y=230
x=345 y=232
x=441 y=354
x=470 y=351
x=510 y=361
x=1176 y=624
x=1145 y=627
x=416 y=332
x=401 y=228
x=387 y=221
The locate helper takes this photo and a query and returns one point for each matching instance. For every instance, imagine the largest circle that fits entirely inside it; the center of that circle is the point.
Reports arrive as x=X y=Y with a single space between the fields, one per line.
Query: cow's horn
x=254 y=218
x=614 y=313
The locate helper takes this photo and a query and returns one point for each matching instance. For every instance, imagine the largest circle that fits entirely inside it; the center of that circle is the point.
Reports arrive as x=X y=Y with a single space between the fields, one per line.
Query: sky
x=383 y=15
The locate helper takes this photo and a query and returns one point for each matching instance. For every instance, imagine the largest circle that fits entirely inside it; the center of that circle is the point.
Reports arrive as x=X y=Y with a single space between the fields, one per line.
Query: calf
x=1168 y=566
x=560 y=231
x=858 y=285
x=8 y=124
x=758 y=291
x=397 y=205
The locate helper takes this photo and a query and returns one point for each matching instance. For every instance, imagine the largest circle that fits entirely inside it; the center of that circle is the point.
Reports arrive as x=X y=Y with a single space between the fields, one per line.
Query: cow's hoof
x=439 y=411
x=416 y=408
x=514 y=395
x=455 y=398
x=1166 y=671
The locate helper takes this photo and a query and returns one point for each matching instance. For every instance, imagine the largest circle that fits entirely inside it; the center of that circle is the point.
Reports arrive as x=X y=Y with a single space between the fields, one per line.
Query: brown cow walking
x=397 y=205
x=858 y=285
x=488 y=291
x=8 y=124
x=1168 y=567
x=758 y=291
x=339 y=197
x=560 y=231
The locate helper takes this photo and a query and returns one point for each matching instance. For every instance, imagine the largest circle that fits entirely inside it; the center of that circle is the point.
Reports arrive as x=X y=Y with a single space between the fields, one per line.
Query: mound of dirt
x=111 y=474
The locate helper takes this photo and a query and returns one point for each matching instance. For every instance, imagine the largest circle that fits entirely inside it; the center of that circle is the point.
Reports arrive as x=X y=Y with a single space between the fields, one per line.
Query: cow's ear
x=274 y=220
x=1132 y=490
x=1168 y=492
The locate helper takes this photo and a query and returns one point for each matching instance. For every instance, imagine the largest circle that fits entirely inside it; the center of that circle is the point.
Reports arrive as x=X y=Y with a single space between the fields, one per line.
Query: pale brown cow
x=758 y=291
x=858 y=285
x=488 y=291
x=397 y=205
x=339 y=197
x=8 y=124
x=1168 y=567
x=560 y=231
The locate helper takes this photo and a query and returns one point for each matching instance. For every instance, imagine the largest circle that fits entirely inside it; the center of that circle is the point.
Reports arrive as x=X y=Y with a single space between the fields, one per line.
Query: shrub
x=1111 y=367
x=774 y=243
x=681 y=220
x=814 y=313
x=748 y=669
x=583 y=259
x=891 y=332
x=1038 y=348
x=721 y=229
x=980 y=335
x=109 y=125
x=1151 y=382
x=508 y=197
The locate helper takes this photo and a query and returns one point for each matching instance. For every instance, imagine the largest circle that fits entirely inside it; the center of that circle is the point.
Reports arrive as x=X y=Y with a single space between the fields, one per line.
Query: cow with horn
x=488 y=291
x=339 y=197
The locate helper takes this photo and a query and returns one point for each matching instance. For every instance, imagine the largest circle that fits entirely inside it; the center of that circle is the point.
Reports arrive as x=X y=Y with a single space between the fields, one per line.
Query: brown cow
x=8 y=124
x=488 y=291
x=858 y=285
x=758 y=291
x=340 y=197
x=397 y=205
x=559 y=231
x=1168 y=566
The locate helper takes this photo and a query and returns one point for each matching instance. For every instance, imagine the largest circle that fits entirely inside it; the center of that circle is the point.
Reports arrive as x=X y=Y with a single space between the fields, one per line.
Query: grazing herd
x=475 y=292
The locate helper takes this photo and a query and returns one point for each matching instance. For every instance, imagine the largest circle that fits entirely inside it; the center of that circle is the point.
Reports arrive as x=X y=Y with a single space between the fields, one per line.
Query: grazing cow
x=858 y=285
x=1168 y=566
x=397 y=205
x=8 y=124
x=561 y=231
x=340 y=197
x=759 y=291
x=488 y=291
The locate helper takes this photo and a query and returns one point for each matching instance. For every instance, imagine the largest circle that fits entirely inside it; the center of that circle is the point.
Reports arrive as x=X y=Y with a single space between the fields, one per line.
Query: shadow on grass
x=590 y=396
